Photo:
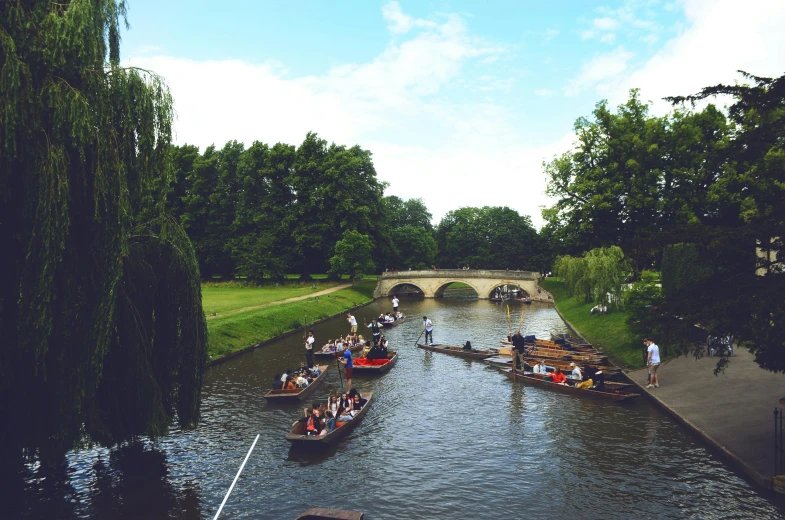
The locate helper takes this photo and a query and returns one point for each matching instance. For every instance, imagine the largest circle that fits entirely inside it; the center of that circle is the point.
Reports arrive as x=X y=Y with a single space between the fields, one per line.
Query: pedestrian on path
x=652 y=361
x=309 y=349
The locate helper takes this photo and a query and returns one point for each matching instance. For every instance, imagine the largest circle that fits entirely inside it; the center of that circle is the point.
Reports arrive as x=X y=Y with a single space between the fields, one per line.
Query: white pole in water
x=235 y=479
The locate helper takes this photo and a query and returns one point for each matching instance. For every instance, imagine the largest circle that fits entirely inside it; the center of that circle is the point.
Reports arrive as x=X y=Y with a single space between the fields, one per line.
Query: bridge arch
x=439 y=292
x=513 y=284
x=392 y=289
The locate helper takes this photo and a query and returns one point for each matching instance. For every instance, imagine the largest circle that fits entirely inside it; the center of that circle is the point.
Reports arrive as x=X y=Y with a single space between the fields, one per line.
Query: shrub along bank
x=610 y=332
x=240 y=325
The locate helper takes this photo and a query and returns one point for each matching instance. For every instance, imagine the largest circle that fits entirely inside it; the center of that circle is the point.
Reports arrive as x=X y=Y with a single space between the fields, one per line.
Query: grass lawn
x=609 y=332
x=458 y=285
x=220 y=297
x=236 y=330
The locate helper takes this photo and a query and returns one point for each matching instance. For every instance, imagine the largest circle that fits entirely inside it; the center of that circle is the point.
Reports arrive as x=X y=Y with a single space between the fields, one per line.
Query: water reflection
x=445 y=437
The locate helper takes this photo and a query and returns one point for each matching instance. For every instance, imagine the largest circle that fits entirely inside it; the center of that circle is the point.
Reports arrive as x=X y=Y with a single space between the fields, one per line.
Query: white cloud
x=588 y=34
x=718 y=39
x=545 y=92
x=551 y=34
x=600 y=71
x=424 y=144
x=605 y=24
x=608 y=38
x=398 y=22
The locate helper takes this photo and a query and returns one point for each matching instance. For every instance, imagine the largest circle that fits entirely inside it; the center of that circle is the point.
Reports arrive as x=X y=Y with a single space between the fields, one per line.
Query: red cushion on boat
x=363 y=362
x=339 y=424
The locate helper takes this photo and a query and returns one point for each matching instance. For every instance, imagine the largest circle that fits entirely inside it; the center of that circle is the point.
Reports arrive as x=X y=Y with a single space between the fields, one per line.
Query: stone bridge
x=433 y=283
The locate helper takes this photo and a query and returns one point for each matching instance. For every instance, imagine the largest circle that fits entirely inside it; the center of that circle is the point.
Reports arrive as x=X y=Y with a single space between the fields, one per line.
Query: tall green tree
x=352 y=255
x=487 y=238
x=415 y=247
x=100 y=303
x=633 y=175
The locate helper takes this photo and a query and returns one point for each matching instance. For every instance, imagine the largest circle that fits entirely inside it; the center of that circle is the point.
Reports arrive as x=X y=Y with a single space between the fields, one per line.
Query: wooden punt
x=610 y=385
x=297 y=394
x=506 y=361
x=319 y=354
x=457 y=351
x=295 y=436
x=375 y=369
x=610 y=395
x=388 y=324
x=554 y=346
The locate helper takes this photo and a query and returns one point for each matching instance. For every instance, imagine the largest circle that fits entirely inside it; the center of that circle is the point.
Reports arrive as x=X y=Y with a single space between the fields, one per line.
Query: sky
x=460 y=102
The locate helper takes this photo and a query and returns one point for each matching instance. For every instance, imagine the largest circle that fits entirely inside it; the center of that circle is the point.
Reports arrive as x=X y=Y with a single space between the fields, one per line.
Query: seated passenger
x=558 y=378
x=290 y=384
x=314 y=424
x=316 y=371
x=375 y=353
x=467 y=345
x=539 y=368
x=576 y=372
x=599 y=381
x=329 y=422
x=277 y=383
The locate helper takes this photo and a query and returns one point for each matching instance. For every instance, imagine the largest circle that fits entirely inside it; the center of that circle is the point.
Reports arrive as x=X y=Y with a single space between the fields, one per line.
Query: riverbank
x=732 y=411
x=608 y=332
x=250 y=315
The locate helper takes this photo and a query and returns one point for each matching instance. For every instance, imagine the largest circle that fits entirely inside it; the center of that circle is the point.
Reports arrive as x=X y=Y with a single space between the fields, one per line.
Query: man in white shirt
x=309 y=349
x=576 y=372
x=653 y=362
x=395 y=304
x=352 y=324
x=427 y=326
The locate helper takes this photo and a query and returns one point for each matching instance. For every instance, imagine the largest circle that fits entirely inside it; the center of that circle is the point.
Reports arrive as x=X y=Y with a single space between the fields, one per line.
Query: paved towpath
x=281 y=302
x=732 y=411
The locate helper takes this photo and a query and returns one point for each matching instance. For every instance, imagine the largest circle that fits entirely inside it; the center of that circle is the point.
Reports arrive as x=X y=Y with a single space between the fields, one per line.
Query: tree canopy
x=100 y=303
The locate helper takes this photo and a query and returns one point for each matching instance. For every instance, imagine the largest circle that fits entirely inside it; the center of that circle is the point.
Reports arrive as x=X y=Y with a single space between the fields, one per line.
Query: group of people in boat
x=342 y=343
x=585 y=379
x=390 y=317
x=321 y=419
x=292 y=380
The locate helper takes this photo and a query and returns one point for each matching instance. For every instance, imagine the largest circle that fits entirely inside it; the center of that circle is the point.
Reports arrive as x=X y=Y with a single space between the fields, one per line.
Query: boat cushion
x=363 y=362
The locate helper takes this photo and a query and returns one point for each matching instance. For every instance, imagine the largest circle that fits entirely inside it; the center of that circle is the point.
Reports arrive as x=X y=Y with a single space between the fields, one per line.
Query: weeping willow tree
x=103 y=333
x=597 y=276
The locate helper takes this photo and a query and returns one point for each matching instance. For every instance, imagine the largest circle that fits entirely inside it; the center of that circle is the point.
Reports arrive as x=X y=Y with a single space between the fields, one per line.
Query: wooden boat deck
x=457 y=351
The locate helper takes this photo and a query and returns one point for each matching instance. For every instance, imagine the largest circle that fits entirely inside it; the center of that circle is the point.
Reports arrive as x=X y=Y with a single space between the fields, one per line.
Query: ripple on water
x=445 y=438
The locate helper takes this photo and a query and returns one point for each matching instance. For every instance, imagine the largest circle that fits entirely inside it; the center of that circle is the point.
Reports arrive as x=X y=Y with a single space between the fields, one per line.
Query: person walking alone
x=653 y=362
x=427 y=326
x=309 y=349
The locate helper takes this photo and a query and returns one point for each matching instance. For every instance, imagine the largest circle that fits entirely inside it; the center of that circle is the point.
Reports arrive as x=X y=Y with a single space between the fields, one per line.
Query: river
x=445 y=438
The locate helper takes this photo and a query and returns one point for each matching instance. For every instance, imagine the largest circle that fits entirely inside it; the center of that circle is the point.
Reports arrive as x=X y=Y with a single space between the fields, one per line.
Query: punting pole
x=235 y=478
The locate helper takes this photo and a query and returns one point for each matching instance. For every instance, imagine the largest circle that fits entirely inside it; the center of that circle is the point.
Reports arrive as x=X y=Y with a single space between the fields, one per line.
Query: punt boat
x=609 y=394
x=458 y=351
x=297 y=435
x=297 y=394
x=365 y=366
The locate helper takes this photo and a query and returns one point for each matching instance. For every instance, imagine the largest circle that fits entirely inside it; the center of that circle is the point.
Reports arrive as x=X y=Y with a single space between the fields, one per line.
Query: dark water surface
x=445 y=438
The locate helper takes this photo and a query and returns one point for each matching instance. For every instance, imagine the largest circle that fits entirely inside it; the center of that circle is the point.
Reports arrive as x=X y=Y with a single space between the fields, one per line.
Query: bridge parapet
x=433 y=282
x=464 y=273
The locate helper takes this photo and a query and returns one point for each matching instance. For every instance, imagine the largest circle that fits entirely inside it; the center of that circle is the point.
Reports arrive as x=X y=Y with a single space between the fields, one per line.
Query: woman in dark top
x=277 y=383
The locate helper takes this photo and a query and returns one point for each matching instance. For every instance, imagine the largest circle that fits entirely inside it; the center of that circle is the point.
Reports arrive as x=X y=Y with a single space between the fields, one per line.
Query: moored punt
x=610 y=395
x=321 y=513
x=541 y=343
x=393 y=323
x=374 y=366
x=506 y=361
x=458 y=351
x=342 y=429
x=297 y=394
x=610 y=385
x=320 y=354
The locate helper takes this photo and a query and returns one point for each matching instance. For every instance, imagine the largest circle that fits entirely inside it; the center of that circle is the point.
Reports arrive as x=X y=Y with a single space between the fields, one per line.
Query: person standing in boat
x=375 y=330
x=352 y=324
x=518 y=349
x=309 y=349
x=427 y=326
x=395 y=302
x=346 y=360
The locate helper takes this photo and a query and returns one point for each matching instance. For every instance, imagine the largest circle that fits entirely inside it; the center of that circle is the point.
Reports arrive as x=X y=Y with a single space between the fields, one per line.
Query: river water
x=445 y=438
